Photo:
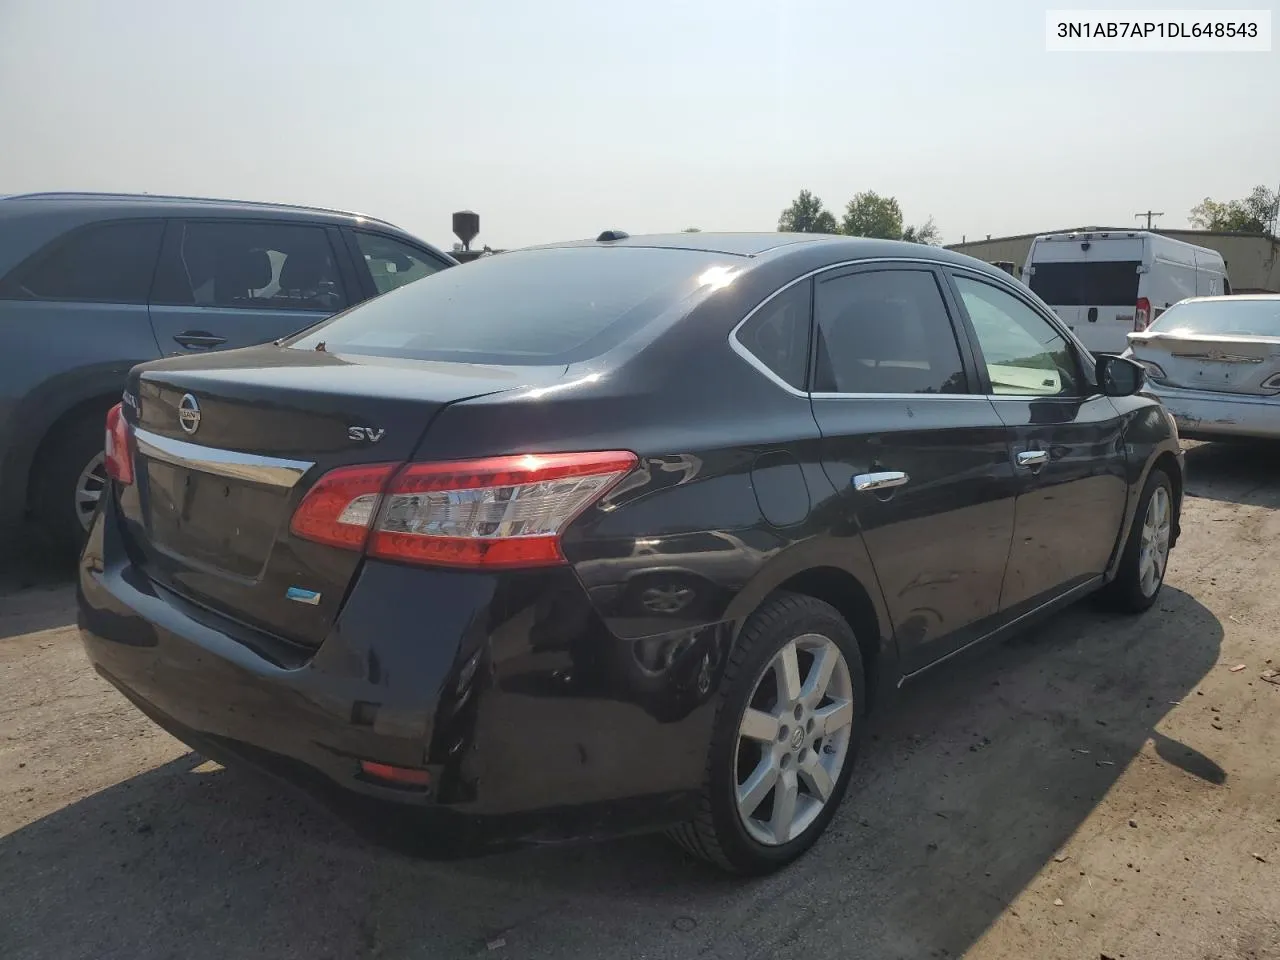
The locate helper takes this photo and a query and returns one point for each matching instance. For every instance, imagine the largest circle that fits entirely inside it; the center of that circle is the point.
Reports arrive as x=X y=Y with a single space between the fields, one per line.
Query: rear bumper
x=1201 y=414
x=505 y=687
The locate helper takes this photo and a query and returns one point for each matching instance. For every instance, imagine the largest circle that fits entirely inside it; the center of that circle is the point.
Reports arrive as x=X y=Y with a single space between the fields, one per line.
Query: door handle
x=1033 y=458
x=879 y=481
x=199 y=338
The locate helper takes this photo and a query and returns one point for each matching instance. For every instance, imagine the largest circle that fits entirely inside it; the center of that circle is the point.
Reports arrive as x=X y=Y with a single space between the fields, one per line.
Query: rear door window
x=1099 y=283
x=251 y=265
x=105 y=263
x=886 y=331
x=393 y=263
x=544 y=306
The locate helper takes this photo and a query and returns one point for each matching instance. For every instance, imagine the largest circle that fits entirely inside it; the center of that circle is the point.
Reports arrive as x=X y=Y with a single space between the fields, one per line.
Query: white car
x=1214 y=362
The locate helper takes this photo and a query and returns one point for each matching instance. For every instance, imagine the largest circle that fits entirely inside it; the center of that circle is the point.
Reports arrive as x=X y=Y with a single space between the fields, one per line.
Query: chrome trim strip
x=899 y=396
x=252 y=467
x=741 y=350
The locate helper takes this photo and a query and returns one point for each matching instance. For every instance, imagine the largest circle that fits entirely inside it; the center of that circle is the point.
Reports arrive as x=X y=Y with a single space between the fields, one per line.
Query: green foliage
x=807 y=215
x=1254 y=214
x=867 y=215
x=870 y=215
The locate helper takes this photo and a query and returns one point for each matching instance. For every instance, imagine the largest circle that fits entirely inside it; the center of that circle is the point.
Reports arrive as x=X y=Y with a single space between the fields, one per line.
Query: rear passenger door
x=1068 y=446
x=234 y=283
x=918 y=455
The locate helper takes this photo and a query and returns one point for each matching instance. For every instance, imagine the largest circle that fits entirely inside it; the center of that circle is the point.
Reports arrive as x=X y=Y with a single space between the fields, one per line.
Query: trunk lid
x=228 y=445
x=1220 y=364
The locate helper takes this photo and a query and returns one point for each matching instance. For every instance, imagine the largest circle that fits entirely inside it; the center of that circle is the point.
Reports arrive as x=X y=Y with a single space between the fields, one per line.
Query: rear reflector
x=501 y=512
x=118 y=447
x=400 y=776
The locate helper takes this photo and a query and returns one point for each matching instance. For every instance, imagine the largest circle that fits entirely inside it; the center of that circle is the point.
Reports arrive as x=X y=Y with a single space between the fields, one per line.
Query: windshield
x=1098 y=283
x=546 y=306
x=1241 y=318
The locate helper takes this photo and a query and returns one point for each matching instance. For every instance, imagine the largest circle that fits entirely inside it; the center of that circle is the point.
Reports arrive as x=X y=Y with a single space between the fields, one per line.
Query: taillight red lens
x=117 y=447
x=493 y=513
x=500 y=512
x=1142 y=315
x=340 y=508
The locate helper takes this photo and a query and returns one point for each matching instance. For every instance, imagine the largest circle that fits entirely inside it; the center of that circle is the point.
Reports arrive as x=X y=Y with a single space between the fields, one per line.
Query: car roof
x=760 y=245
x=189 y=206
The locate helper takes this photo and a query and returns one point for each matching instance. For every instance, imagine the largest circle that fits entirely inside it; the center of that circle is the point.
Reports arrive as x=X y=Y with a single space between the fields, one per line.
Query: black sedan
x=616 y=535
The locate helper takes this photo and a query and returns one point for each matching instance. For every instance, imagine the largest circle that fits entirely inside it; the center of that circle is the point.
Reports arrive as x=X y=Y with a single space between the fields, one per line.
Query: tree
x=871 y=215
x=926 y=233
x=807 y=215
x=1253 y=214
x=691 y=230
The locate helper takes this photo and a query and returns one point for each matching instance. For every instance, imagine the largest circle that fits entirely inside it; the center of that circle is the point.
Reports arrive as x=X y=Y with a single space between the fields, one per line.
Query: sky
x=561 y=118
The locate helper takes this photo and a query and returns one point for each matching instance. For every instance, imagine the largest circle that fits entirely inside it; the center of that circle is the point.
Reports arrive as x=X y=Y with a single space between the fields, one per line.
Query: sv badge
x=365 y=434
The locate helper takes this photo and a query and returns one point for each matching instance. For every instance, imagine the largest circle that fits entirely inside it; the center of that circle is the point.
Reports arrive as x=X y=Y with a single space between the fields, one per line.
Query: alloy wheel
x=1153 y=550
x=89 y=487
x=793 y=739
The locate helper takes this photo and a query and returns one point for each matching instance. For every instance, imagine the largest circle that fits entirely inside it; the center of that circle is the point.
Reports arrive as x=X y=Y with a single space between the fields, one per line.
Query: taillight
x=117 y=448
x=1154 y=371
x=500 y=512
x=1142 y=315
x=339 y=509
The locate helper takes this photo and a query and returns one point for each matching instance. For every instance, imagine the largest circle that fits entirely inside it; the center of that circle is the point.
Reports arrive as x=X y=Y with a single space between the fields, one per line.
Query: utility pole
x=1149 y=214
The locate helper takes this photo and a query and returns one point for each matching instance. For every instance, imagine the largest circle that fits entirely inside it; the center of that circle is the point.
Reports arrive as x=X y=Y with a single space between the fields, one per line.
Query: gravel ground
x=1098 y=788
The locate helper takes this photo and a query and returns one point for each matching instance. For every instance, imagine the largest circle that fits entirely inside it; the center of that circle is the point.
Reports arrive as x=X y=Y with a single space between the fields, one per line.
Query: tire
x=1133 y=591
x=68 y=461
x=744 y=843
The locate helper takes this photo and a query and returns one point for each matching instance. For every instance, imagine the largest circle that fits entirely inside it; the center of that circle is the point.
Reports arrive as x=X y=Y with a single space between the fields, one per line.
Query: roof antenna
x=609 y=235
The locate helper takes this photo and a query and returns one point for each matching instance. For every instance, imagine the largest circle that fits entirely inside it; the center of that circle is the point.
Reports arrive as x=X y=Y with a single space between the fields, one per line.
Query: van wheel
x=783 y=743
x=68 y=483
x=1146 y=553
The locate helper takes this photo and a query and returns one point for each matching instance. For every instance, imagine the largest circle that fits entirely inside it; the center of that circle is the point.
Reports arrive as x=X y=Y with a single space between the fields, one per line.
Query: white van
x=1106 y=284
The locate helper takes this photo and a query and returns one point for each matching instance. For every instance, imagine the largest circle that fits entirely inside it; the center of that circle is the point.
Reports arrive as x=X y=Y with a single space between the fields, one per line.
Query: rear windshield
x=548 y=306
x=1100 y=283
x=1242 y=318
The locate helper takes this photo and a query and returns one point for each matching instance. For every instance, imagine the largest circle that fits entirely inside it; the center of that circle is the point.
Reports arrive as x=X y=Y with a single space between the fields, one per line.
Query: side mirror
x=1120 y=376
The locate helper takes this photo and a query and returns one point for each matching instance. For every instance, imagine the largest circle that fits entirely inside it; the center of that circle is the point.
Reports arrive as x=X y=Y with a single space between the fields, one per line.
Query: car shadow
x=36 y=591
x=969 y=786
x=1238 y=472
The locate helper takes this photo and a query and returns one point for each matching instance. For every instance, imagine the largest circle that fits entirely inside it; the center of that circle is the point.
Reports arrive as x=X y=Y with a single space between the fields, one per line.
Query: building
x=1253 y=259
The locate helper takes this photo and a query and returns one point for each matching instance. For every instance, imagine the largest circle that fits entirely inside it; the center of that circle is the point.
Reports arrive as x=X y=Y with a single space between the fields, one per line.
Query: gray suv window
x=392 y=263
x=251 y=265
x=104 y=263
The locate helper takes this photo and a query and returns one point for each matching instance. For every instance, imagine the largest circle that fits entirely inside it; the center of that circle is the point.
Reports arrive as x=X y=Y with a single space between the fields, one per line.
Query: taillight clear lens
x=117 y=447
x=340 y=508
x=499 y=512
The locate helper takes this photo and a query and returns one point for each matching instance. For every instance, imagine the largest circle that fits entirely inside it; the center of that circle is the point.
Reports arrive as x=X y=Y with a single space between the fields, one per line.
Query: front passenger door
x=1068 y=450
x=919 y=458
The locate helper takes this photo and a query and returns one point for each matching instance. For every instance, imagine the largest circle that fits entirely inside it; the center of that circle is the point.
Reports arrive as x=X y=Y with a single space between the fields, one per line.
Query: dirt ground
x=1099 y=788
